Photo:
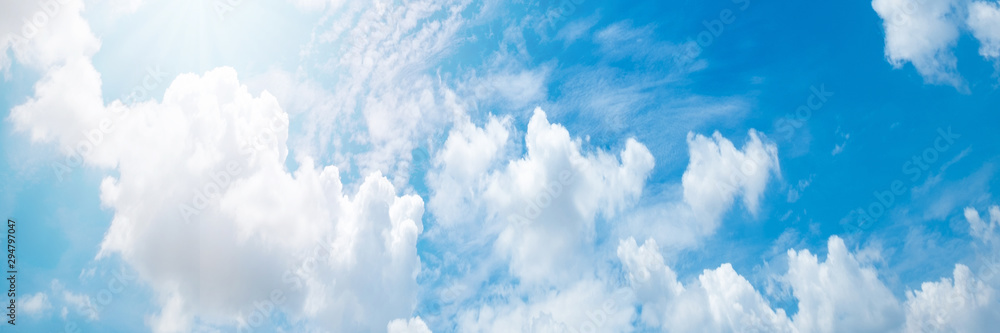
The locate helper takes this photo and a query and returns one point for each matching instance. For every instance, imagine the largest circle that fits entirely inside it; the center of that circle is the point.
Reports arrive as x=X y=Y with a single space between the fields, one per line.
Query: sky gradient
x=521 y=166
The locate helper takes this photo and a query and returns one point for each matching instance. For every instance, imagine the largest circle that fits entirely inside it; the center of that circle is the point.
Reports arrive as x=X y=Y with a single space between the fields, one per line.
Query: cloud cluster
x=536 y=216
x=841 y=293
x=226 y=210
x=541 y=207
x=201 y=198
x=961 y=304
x=719 y=301
x=208 y=213
x=541 y=217
x=924 y=32
x=717 y=174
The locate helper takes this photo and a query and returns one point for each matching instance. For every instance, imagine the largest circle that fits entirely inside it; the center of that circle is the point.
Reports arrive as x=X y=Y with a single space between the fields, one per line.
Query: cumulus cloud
x=541 y=207
x=961 y=304
x=842 y=293
x=568 y=189
x=839 y=294
x=414 y=325
x=208 y=214
x=202 y=199
x=204 y=209
x=467 y=156
x=717 y=174
x=965 y=302
x=67 y=99
x=43 y=34
x=719 y=301
x=924 y=34
x=535 y=216
x=230 y=212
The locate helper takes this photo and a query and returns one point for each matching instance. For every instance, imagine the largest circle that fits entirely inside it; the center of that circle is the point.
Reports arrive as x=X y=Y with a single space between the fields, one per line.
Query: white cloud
x=414 y=325
x=795 y=192
x=576 y=30
x=924 y=33
x=122 y=7
x=82 y=304
x=536 y=217
x=584 y=306
x=962 y=304
x=513 y=86
x=840 y=294
x=550 y=245
x=213 y=155
x=719 y=301
x=370 y=48
x=67 y=99
x=542 y=207
x=206 y=212
x=34 y=305
x=230 y=212
x=984 y=22
x=965 y=302
x=467 y=156
x=43 y=34
x=839 y=148
x=984 y=230
x=717 y=174
x=623 y=40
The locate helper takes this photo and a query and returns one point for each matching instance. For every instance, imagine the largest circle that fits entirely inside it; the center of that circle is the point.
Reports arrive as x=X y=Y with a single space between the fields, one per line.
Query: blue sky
x=445 y=165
